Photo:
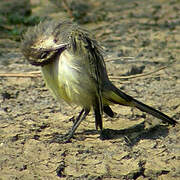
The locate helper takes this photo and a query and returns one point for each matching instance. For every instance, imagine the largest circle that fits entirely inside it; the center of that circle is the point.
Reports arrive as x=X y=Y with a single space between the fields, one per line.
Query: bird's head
x=41 y=43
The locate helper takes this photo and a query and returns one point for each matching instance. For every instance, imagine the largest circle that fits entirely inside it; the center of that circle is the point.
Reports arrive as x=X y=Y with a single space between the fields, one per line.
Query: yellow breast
x=69 y=80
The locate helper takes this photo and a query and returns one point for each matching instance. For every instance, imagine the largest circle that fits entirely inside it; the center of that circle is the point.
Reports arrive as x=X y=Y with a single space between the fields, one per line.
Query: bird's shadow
x=131 y=135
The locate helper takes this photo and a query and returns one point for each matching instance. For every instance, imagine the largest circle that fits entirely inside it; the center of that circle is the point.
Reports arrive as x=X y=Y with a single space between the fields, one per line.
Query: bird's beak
x=58 y=46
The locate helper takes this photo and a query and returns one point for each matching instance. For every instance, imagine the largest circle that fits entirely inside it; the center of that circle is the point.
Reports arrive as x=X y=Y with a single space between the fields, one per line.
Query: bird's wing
x=82 y=44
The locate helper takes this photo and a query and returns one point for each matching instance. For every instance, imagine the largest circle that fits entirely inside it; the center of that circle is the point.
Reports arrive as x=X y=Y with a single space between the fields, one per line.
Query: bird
x=74 y=70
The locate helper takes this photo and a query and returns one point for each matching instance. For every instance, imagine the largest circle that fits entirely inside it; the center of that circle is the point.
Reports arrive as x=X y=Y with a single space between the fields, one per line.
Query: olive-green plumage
x=74 y=70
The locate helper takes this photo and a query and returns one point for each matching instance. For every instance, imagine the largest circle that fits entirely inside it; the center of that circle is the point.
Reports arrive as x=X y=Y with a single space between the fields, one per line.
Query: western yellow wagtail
x=74 y=70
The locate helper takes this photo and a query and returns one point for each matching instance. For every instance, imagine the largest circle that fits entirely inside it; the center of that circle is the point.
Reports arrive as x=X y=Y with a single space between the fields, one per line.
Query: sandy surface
x=144 y=35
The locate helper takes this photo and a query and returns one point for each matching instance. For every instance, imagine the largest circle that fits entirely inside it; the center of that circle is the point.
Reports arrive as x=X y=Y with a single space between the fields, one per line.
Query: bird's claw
x=61 y=139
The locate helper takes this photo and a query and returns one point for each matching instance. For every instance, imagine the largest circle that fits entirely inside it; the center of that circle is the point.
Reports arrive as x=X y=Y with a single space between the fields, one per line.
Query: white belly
x=68 y=79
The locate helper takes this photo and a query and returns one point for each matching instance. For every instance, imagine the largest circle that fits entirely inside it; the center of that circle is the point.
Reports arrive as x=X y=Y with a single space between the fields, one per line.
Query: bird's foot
x=61 y=139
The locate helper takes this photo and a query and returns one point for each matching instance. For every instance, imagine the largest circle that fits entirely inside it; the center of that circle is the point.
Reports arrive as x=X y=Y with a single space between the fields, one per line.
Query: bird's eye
x=43 y=55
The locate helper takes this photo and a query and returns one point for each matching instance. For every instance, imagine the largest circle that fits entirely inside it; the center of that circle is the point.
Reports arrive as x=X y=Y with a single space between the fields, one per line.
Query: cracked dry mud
x=139 y=146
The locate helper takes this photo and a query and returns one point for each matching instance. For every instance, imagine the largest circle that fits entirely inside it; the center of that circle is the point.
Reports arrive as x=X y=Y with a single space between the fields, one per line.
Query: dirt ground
x=141 y=36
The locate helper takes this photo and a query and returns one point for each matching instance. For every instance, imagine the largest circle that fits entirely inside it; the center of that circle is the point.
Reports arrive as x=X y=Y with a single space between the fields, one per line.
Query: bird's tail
x=143 y=107
x=116 y=96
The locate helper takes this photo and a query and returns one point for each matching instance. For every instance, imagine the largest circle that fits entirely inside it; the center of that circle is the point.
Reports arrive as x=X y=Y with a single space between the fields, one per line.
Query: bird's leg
x=77 y=122
x=69 y=135
x=78 y=117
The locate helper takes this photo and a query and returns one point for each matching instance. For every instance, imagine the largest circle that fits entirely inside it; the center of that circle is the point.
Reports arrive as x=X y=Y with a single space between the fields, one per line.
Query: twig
x=38 y=74
x=115 y=59
x=25 y=75
x=66 y=7
x=137 y=75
